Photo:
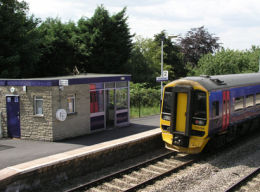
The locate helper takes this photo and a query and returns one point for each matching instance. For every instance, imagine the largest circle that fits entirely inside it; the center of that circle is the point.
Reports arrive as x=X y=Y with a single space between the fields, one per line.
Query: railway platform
x=26 y=165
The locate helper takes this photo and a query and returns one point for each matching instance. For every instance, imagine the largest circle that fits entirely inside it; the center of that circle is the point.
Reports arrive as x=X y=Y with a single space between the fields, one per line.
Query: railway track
x=137 y=176
x=250 y=182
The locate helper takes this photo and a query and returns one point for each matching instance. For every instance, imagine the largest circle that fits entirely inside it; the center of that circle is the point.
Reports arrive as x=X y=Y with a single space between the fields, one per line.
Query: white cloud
x=234 y=21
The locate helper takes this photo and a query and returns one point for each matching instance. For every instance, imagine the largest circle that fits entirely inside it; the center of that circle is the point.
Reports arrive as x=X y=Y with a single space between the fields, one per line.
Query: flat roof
x=227 y=81
x=72 y=80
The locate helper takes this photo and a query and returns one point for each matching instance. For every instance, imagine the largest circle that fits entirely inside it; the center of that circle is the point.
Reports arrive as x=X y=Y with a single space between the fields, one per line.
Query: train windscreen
x=167 y=100
x=199 y=108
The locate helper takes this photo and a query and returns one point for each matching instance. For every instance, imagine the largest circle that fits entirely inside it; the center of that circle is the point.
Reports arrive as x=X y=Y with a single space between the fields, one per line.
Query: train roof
x=226 y=81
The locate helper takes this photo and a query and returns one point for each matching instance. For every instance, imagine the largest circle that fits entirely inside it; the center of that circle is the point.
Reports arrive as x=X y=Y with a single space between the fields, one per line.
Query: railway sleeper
x=130 y=178
x=120 y=188
x=95 y=190
x=165 y=164
x=150 y=171
x=158 y=168
x=124 y=182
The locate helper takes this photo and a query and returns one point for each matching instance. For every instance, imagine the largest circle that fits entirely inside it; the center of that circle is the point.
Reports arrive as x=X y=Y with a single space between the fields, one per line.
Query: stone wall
x=51 y=177
x=47 y=127
x=32 y=126
x=77 y=123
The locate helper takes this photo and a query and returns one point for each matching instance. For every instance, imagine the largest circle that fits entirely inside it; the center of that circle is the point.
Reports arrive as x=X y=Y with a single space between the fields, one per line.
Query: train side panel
x=216 y=109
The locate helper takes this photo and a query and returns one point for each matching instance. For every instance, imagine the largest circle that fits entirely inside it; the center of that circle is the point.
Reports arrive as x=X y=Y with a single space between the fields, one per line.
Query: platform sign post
x=164 y=77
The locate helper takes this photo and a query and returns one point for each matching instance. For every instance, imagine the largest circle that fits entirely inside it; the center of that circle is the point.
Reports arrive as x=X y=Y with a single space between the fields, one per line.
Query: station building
x=51 y=109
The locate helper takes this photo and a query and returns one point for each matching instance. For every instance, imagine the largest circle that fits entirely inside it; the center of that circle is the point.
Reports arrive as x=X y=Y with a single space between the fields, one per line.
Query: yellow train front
x=198 y=109
x=184 y=116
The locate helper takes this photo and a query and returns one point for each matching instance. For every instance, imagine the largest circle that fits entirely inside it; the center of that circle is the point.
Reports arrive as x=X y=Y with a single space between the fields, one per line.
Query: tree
x=59 y=50
x=144 y=61
x=108 y=41
x=19 y=40
x=172 y=56
x=196 y=43
x=228 y=61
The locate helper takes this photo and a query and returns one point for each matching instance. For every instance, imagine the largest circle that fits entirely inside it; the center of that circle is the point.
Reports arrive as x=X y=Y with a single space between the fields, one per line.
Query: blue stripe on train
x=236 y=117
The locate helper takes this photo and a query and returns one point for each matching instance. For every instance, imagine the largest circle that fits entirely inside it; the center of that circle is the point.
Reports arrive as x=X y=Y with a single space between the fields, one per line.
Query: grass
x=144 y=111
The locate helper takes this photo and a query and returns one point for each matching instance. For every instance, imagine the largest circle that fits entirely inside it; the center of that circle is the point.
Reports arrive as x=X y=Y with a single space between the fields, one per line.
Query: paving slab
x=16 y=151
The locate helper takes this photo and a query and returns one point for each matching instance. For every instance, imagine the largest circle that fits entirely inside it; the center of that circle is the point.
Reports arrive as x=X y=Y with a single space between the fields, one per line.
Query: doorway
x=13 y=116
x=110 y=108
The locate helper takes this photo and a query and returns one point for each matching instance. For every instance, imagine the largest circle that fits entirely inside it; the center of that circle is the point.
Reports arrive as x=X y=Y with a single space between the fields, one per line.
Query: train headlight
x=200 y=122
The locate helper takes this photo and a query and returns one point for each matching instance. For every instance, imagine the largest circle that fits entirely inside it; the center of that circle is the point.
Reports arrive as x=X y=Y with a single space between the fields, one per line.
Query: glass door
x=110 y=108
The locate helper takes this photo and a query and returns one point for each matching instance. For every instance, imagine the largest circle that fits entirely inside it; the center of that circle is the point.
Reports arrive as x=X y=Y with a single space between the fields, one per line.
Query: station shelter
x=52 y=109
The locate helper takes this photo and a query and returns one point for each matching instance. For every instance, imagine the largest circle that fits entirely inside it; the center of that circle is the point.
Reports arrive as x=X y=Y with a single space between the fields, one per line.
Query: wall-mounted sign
x=12 y=89
x=63 y=82
x=61 y=114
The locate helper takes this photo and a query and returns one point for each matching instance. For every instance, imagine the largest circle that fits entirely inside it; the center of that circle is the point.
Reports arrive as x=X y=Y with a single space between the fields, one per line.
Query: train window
x=257 y=99
x=239 y=103
x=249 y=100
x=199 y=104
x=167 y=100
x=215 y=108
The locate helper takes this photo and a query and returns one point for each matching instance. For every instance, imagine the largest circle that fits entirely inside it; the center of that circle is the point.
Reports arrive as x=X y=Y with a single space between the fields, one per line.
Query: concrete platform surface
x=16 y=151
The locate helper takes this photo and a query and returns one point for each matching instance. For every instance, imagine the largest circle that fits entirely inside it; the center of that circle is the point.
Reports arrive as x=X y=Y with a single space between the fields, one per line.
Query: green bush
x=141 y=95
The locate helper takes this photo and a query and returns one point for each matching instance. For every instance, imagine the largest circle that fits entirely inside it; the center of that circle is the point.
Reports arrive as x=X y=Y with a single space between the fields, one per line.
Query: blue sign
x=159 y=79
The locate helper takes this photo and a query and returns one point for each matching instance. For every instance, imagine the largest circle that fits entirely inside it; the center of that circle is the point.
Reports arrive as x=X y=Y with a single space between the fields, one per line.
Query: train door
x=110 y=108
x=180 y=109
x=225 y=109
x=181 y=112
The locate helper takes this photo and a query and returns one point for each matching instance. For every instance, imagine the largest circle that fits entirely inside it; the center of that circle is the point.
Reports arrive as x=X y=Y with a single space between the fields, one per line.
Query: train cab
x=184 y=116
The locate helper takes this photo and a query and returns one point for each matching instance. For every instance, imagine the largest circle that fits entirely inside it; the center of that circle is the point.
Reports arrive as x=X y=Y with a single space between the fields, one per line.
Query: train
x=198 y=110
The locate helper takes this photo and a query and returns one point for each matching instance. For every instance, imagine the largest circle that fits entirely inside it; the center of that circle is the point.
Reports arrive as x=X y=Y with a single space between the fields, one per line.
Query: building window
x=71 y=104
x=96 y=97
x=239 y=103
x=215 y=108
x=121 y=84
x=122 y=99
x=96 y=101
x=249 y=100
x=38 y=105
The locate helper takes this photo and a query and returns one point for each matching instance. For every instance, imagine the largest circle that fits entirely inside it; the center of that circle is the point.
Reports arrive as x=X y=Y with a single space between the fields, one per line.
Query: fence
x=144 y=101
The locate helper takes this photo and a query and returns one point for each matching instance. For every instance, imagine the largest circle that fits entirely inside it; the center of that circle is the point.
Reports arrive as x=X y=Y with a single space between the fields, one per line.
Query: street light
x=171 y=37
x=259 y=65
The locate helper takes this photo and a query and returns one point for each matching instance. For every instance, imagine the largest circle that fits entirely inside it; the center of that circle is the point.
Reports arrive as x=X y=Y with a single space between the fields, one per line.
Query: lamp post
x=161 y=68
x=170 y=36
x=259 y=65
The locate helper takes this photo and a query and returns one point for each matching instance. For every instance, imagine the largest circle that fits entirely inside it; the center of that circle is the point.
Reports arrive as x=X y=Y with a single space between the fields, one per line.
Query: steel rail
x=120 y=172
x=243 y=180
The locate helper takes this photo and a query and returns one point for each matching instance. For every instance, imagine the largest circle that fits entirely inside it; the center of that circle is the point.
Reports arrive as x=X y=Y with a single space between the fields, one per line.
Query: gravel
x=216 y=173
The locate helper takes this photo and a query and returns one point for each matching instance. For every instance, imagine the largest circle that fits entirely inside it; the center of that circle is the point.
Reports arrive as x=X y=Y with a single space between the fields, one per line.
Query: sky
x=235 y=22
